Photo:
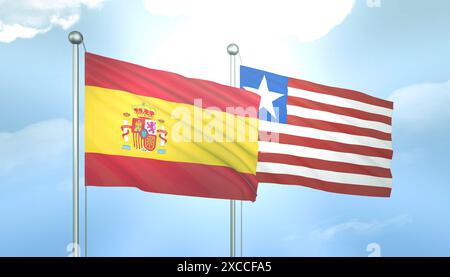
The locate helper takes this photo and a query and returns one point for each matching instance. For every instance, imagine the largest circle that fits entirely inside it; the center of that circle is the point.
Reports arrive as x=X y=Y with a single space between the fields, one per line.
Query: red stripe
x=114 y=74
x=325 y=165
x=329 y=145
x=309 y=104
x=169 y=177
x=340 y=92
x=323 y=185
x=337 y=127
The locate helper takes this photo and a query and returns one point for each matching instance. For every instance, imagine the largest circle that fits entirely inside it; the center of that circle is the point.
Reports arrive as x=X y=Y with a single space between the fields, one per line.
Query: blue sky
x=398 y=51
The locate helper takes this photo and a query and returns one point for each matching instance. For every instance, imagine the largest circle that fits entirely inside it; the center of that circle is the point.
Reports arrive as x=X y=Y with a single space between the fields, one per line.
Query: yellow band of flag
x=194 y=134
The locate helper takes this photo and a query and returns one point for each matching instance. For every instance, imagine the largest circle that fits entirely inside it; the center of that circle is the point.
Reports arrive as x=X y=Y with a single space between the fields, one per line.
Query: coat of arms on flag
x=146 y=131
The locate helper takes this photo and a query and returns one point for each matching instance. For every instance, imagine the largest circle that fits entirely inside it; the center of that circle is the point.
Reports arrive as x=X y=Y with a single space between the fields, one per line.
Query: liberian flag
x=321 y=137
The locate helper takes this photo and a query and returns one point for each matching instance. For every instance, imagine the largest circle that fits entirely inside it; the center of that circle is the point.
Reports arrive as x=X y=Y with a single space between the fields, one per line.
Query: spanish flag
x=165 y=133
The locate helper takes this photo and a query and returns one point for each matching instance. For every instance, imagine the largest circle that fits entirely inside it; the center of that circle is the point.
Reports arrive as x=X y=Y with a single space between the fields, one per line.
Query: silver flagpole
x=75 y=38
x=242 y=222
x=233 y=50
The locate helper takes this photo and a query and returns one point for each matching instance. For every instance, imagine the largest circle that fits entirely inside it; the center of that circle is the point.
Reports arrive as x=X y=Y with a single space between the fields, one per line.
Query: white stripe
x=324 y=175
x=338 y=118
x=268 y=126
x=328 y=155
x=338 y=101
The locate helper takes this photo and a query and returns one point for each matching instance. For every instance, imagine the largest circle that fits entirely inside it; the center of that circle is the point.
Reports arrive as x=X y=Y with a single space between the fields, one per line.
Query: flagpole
x=75 y=38
x=233 y=50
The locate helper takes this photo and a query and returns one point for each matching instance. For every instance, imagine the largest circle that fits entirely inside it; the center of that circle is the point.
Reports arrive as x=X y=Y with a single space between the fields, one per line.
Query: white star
x=267 y=96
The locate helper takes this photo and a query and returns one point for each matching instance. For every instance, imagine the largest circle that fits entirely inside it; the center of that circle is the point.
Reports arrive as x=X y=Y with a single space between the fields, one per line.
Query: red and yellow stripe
x=198 y=159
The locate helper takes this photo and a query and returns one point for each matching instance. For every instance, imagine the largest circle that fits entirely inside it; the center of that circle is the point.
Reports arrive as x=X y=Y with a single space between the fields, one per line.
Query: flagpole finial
x=233 y=49
x=75 y=37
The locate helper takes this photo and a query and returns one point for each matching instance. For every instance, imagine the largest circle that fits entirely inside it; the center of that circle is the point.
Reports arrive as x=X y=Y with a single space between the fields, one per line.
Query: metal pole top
x=233 y=49
x=75 y=37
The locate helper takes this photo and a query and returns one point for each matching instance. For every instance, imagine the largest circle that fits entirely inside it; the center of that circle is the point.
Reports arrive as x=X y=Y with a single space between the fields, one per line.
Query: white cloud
x=420 y=123
x=9 y=32
x=93 y=4
x=197 y=47
x=422 y=107
x=359 y=226
x=64 y=23
x=27 y=18
x=37 y=143
x=308 y=20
